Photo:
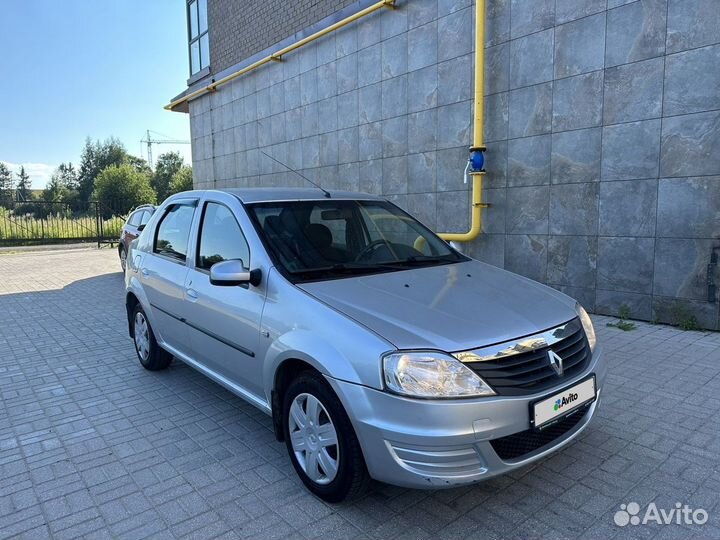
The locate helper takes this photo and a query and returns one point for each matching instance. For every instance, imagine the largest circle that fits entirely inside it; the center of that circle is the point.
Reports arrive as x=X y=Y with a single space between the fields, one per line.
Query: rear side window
x=145 y=217
x=221 y=238
x=174 y=231
x=134 y=219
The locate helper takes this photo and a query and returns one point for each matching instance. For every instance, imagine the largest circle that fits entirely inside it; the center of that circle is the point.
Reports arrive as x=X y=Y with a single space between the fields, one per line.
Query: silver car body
x=240 y=336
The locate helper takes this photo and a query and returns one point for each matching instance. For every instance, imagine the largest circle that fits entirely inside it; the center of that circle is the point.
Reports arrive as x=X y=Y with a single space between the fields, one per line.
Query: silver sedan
x=378 y=349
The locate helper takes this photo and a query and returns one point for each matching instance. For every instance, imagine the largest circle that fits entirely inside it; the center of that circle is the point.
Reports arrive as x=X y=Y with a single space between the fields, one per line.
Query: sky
x=73 y=69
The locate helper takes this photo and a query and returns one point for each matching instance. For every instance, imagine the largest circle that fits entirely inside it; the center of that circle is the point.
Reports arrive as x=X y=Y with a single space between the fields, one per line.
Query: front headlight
x=431 y=375
x=587 y=325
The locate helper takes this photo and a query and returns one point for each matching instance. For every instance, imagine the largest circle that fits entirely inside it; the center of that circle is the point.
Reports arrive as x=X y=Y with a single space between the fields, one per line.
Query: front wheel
x=321 y=441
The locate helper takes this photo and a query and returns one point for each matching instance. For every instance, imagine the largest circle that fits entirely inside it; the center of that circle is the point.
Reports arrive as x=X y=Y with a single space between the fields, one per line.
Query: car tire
x=123 y=258
x=151 y=355
x=332 y=472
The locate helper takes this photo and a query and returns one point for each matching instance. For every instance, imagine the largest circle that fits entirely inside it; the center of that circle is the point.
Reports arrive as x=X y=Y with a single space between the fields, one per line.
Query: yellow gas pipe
x=477 y=176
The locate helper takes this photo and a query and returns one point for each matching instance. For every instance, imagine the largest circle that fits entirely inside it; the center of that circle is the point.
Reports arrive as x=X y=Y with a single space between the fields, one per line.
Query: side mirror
x=232 y=273
x=141 y=228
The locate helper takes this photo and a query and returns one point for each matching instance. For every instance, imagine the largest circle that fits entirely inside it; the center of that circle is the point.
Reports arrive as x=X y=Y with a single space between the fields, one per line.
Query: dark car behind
x=134 y=225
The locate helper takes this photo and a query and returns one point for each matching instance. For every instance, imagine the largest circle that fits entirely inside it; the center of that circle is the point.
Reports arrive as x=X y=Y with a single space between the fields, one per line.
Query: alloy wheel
x=314 y=439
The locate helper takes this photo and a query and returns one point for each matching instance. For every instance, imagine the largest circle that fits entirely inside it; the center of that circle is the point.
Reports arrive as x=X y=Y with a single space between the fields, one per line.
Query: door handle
x=191 y=294
x=144 y=272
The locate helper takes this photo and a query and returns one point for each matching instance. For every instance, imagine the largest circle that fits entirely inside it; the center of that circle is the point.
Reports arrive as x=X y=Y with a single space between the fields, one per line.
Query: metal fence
x=43 y=222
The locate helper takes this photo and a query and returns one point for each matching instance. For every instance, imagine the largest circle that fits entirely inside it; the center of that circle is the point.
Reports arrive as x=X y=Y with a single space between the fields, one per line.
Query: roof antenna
x=325 y=191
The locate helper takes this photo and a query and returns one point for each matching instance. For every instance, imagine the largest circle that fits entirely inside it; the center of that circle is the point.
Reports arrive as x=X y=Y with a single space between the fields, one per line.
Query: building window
x=198 y=35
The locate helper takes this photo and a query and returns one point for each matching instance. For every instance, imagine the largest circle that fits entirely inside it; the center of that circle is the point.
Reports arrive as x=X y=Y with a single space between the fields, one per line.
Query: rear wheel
x=150 y=354
x=123 y=258
x=321 y=441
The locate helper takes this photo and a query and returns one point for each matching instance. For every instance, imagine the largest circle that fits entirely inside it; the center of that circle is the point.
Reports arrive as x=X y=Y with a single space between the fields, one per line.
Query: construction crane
x=150 y=141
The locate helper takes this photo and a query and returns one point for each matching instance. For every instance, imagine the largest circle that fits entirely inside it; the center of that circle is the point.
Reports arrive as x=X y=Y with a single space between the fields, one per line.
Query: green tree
x=68 y=176
x=55 y=191
x=167 y=165
x=6 y=184
x=182 y=180
x=23 y=185
x=139 y=164
x=97 y=156
x=120 y=188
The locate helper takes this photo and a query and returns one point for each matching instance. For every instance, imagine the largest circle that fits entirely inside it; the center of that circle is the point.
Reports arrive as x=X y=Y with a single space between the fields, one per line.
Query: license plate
x=549 y=409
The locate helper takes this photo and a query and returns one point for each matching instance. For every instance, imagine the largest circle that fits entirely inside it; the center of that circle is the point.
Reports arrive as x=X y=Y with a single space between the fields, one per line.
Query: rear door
x=225 y=320
x=164 y=272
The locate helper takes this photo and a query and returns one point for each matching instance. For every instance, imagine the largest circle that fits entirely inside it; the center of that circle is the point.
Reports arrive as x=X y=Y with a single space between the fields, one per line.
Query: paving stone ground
x=92 y=445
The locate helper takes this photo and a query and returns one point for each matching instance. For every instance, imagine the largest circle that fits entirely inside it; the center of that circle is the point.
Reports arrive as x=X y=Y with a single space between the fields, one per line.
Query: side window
x=145 y=217
x=134 y=219
x=174 y=231
x=221 y=238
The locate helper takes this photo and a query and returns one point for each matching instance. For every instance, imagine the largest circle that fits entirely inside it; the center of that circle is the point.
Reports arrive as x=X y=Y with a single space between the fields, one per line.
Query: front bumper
x=445 y=443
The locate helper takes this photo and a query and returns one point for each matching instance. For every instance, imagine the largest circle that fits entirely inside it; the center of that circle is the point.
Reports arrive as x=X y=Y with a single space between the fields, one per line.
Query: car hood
x=450 y=307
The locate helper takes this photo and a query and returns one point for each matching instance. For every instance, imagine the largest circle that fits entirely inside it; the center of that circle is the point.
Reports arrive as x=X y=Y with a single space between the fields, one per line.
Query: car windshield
x=326 y=239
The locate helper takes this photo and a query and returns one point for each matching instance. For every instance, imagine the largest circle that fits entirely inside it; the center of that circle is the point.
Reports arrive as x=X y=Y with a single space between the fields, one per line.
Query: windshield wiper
x=421 y=261
x=345 y=269
x=357 y=269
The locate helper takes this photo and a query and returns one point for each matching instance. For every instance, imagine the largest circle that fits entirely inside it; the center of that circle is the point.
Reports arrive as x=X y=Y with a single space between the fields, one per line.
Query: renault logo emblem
x=555 y=362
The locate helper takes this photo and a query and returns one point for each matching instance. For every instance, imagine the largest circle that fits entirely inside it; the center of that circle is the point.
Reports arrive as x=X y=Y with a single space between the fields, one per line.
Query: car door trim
x=161 y=310
x=224 y=341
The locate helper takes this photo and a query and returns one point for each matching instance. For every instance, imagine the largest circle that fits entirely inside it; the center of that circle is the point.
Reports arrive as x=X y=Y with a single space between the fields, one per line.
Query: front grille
x=518 y=444
x=530 y=372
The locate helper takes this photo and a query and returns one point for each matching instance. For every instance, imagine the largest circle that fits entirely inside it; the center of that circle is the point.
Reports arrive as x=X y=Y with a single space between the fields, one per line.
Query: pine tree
x=6 y=184
x=67 y=176
x=55 y=191
x=23 y=185
x=95 y=157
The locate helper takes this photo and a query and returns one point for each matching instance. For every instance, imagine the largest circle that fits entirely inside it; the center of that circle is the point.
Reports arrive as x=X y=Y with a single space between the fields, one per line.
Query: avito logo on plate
x=560 y=403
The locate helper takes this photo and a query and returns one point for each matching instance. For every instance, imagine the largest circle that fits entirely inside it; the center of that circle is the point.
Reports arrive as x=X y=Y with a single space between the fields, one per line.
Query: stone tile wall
x=602 y=127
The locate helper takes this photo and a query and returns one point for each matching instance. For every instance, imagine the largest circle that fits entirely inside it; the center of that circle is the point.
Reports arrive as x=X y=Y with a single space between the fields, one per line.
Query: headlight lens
x=587 y=325
x=431 y=375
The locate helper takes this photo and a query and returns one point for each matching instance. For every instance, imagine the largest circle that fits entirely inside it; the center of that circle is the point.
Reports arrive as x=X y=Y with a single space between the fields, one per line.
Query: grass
x=623 y=323
x=688 y=322
x=625 y=326
x=683 y=319
x=27 y=229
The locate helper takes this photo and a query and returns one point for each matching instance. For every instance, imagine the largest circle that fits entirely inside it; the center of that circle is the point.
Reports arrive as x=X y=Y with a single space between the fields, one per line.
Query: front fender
x=306 y=346
x=303 y=328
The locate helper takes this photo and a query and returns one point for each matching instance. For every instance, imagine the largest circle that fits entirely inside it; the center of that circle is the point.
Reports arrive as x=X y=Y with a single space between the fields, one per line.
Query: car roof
x=269 y=194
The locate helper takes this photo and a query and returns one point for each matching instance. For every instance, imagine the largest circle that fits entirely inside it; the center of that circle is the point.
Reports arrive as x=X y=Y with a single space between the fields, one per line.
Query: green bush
x=120 y=188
